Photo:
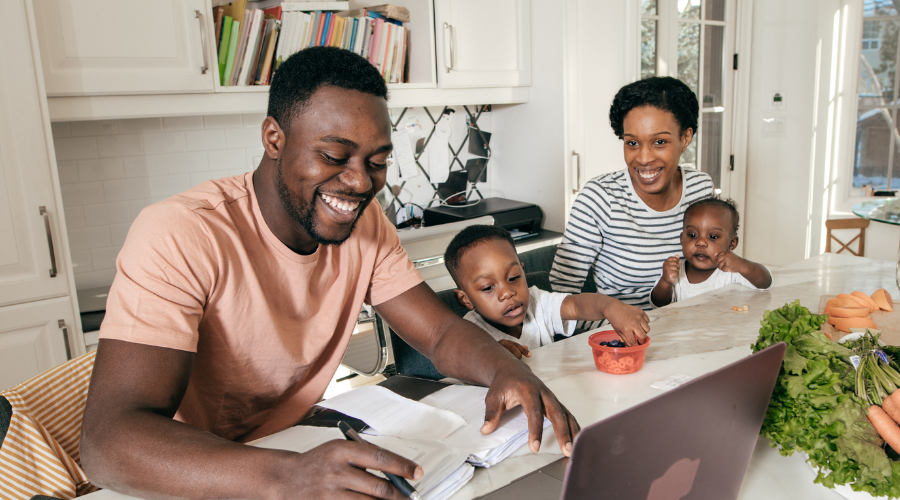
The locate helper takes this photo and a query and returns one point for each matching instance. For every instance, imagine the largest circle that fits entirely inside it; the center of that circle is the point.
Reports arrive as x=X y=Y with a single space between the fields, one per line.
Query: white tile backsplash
x=228 y=158
x=119 y=145
x=74 y=217
x=145 y=166
x=167 y=185
x=140 y=125
x=222 y=121
x=204 y=140
x=182 y=163
x=106 y=214
x=89 y=238
x=84 y=193
x=244 y=137
x=75 y=148
x=68 y=172
x=163 y=142
x=105 y=169
x=104 y=258
x=93 y=128
x=126 y=189
x=183 y=123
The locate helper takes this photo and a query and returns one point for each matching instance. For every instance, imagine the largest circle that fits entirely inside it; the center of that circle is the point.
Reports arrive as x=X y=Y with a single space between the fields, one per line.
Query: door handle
x=576 y=179
x=46 y=216
x=65 y=331
x=448 y=39
x=205 y=68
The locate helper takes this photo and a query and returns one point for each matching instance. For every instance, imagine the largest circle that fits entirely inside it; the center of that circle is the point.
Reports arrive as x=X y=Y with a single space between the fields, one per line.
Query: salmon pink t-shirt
x=202 y=272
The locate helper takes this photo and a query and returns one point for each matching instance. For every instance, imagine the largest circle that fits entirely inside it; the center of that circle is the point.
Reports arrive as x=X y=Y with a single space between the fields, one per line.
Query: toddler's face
x=493 y=283
x=708 y=231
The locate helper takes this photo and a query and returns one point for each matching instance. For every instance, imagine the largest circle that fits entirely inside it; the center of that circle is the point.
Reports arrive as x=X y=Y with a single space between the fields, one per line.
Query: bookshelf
x=123 y=87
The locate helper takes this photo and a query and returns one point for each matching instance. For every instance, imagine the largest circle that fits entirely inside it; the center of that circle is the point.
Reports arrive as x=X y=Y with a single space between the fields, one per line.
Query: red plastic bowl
x=616 y=360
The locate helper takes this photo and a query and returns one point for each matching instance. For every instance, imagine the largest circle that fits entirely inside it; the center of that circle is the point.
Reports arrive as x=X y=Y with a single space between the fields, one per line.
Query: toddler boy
x=707 y=240
x=491 y=283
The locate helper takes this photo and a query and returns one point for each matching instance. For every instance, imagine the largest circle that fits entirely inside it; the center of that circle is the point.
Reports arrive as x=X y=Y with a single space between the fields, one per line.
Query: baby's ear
x=734 y=243
x=463 y=299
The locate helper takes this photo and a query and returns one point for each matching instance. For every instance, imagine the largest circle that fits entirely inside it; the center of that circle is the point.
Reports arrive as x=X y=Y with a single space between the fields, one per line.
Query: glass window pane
x=711 y=154
x=715 y=10
x=872 y=147
x=648 y=48
x=689 y=55
x=648 y=7
x=713 y=49
x=878 y=62
x=689 y=9
x=879 y=8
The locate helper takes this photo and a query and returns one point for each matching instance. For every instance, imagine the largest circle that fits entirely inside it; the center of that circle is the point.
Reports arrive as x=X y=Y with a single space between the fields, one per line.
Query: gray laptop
x=692 y=442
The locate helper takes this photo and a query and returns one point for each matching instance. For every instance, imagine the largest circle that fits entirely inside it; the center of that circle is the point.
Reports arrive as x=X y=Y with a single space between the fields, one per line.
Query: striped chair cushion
x=40 y=454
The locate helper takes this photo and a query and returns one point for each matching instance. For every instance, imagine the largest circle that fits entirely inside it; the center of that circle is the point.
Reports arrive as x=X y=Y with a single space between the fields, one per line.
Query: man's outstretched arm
x=459 y=349
x=131 y=444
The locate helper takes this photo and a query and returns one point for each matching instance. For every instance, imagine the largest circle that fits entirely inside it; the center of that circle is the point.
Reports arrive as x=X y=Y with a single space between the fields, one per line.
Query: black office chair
x=409 y=361
x=541 y=259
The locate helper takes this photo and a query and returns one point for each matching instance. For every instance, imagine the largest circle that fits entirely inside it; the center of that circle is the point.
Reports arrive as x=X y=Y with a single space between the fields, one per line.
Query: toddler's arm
x=664 y=291
x=517 y=350
x=755 y=273
x=630 y=322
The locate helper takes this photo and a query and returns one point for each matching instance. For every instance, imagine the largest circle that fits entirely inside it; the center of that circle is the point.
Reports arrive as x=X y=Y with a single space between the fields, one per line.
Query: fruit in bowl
x=612 y=355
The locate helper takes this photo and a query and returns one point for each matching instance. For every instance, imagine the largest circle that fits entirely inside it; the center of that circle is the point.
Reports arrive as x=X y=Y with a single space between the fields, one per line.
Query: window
x=877 y=150
x=693 y=41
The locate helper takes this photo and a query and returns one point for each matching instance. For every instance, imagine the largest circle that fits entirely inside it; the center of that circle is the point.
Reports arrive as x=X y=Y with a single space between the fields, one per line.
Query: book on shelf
x=391 y=11
x=252 y=41
x=310 y=6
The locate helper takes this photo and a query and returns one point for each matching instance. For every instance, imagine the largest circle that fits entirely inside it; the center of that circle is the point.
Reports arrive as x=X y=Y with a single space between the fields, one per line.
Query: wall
x=530 y=148
x=111 y=169
x=806 y=50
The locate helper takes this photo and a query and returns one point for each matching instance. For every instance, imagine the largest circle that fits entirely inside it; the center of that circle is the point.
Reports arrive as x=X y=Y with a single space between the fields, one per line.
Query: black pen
x=397 y=481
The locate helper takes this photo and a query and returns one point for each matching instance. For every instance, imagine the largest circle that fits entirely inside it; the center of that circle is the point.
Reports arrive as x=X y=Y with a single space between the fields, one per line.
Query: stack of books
x=253 y=42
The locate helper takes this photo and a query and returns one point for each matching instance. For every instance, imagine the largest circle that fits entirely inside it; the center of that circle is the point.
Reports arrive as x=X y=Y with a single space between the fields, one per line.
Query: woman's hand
x=517 y=350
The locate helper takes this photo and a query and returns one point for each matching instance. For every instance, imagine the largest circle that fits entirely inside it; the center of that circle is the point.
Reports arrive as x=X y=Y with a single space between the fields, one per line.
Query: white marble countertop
x=693 y=337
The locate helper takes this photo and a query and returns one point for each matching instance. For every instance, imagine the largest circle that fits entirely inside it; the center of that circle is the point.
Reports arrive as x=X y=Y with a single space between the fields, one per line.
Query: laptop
x=692 y=442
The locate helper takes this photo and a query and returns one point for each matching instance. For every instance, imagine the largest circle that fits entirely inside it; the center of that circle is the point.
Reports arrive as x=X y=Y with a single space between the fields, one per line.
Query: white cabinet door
x=31 y=266
x=34 y=338
x=483 y=43
x=95 y=47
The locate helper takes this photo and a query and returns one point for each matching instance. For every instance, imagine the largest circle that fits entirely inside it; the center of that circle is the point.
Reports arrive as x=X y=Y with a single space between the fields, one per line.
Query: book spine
x=326 y=30
x=389 y=54
x=284 y=27
x=320 y=24
x=265 y=74
x=246 y=24
x=353 y=33
x=219 y=15
x=383 y=46
x=224 y=45
x=302 y=37
x=333 y=31
x=261 y=50
x=376 y=40
x=398 y=50
x=232 y=48
x=344 y=40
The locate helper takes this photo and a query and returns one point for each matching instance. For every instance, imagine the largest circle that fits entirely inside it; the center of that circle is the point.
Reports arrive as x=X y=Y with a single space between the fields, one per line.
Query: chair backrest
x=40 y=421
x=409 y=361
x=857 y=223
x=541 y=259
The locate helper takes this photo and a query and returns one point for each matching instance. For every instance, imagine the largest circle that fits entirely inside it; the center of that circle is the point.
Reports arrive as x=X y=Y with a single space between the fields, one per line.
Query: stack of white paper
x=446 y=470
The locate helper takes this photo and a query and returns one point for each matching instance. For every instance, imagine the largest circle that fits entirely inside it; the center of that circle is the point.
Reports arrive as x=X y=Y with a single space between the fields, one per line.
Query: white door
x=93 y=47
x=31 y=266
x=34 y=338
x=483 y=43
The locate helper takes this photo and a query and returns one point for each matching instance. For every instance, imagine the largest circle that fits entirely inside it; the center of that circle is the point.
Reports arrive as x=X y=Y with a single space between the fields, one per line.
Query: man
x=234 y=302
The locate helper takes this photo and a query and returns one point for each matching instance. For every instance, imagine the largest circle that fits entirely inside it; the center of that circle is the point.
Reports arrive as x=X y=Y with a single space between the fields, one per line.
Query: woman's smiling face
x=653 y=146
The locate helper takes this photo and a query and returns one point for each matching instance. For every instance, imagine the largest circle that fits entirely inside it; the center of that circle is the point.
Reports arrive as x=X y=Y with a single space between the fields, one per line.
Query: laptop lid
x=692 y=442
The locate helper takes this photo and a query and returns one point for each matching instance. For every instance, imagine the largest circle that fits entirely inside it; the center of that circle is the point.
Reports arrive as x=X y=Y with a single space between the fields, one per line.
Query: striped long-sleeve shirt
x=625 y=242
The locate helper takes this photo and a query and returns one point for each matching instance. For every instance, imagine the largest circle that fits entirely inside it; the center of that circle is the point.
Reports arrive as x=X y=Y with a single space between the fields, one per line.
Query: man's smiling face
x=334 y=161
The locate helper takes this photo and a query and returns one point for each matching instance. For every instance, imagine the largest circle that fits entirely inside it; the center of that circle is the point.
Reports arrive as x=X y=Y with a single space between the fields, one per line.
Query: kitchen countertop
x=692 y=337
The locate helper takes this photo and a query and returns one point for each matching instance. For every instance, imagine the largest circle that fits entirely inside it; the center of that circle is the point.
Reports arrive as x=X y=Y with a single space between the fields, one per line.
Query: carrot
x=889 y=405
x=886 y=428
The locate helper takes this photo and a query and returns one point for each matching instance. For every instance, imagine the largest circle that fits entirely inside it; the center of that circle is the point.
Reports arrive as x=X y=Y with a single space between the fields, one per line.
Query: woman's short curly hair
x=305 y=72
x=662 y=92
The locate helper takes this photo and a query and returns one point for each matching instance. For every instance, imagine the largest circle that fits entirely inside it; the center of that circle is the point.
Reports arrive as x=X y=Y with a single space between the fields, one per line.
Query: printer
x=520 y=219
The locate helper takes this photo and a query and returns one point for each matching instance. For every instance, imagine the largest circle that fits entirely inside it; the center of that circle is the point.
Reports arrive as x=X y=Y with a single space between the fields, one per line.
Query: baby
x=707 y=241
x=491 y=283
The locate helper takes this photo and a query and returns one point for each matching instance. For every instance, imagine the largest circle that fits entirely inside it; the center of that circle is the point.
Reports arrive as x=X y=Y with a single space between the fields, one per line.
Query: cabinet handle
x=448 y=30
x=577 y=171
x=205 y=68
x=65 y=330
x=46 y=216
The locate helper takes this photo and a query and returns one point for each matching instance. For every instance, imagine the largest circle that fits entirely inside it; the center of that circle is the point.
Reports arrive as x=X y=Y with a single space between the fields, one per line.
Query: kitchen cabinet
x=483 y=44
x=96 y=47
x=148 y=72
x=34 y=254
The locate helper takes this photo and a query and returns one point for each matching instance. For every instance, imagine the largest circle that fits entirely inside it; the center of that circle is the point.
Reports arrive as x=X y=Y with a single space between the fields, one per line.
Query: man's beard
x=305 y=213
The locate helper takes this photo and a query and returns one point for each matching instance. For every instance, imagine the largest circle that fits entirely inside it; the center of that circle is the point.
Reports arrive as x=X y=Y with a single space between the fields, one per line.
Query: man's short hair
x=305 y=72
x=468 y=238
x=661 y=92
x=716 y=201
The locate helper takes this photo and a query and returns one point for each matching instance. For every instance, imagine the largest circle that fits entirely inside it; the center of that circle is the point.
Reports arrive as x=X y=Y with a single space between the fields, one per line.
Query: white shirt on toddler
x=543 y=319
x=684 y=289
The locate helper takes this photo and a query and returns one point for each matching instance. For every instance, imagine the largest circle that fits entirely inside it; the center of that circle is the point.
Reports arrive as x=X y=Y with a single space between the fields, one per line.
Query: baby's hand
x=729 y=262
x=630 y=322
x=518 y=350
x=670 y=269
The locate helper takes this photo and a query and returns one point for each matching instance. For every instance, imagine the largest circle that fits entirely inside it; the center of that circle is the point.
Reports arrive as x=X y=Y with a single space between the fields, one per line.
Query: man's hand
x=670 y=270
x=339 y=469
x=630 y=322
x=517 y=350
x=729 y=262
x=509 y=390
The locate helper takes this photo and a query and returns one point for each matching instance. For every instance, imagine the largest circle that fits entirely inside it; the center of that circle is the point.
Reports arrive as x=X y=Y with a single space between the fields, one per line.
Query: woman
x=624 y=224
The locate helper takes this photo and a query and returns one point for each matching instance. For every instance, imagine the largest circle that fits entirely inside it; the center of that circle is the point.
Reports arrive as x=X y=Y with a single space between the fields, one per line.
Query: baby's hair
x=716 y=201
x=468 y=238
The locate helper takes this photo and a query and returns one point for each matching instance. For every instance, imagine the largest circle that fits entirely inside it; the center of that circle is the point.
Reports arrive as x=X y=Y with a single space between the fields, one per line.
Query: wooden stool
x=858 y=223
